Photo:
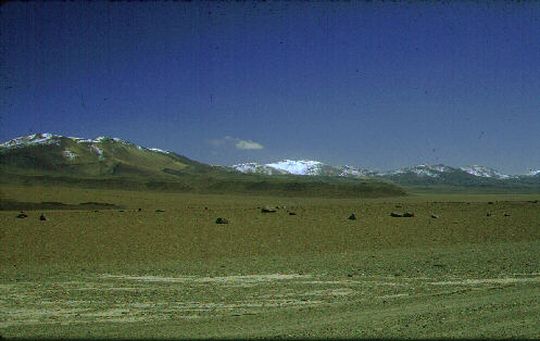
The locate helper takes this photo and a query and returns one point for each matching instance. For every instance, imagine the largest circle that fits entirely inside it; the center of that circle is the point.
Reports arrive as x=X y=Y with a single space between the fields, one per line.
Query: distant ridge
x=317 y=168
x=420 y=175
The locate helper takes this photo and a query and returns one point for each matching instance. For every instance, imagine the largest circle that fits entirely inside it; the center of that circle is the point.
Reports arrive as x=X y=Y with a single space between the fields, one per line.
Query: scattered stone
x=352 y=216
x=22 y=215
x=139 y=209
x=488 y=214
x=42 y=217
x=490 y=203
x=399 y=214
x=160 y=211
x=434 y=216
x=205 y=208
x=121 y=211
x=398 y=206
x=222 y=221
x=268 y=209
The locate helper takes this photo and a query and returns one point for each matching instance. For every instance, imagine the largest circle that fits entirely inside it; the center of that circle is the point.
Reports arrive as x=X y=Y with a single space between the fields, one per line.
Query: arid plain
x=158 y=265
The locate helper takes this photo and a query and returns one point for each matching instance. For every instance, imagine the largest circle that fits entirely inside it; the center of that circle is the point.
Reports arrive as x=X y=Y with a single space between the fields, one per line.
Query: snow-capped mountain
x=351 y=171
x=52 y=139
x=301 y=167
x=298 y=167
x=534 y=172
x=423 y=170
x=57 y=155
x=484 y=172
x=419 y=175
x=34 y=139
x=253 y=167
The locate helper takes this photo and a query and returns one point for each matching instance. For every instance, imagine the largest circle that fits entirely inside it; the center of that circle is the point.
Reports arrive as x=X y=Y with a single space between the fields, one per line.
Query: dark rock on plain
x=222 y=221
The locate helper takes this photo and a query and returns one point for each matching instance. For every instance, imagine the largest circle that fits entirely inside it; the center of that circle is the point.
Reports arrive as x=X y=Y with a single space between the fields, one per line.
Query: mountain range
x=47 y=154
x=421 y=172
x=108 y=162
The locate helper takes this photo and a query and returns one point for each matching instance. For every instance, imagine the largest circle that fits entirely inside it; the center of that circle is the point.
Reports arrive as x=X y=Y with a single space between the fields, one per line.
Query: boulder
x=352 y=216
x=396 y=214
x=292 y=213
x=22 y=215
x=408 y=214
x=434 y=216
x=42 y=217
x=222 y=221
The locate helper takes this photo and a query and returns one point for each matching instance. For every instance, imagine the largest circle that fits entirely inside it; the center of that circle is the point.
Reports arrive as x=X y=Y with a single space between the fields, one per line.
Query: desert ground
x=158 y=265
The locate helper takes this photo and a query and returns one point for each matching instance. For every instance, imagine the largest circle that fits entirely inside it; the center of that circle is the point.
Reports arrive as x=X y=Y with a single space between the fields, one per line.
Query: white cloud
x=248 y=145
x=237 y=143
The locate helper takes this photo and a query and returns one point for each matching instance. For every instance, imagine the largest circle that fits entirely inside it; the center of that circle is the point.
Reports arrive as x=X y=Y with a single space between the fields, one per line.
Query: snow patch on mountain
x=159 y=150
x=81 y=140
x=68 y=154
x=98 y=151
x=484 y=172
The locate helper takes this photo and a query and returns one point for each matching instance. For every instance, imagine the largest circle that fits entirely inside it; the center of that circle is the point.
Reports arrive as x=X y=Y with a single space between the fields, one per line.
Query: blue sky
x=373 y=84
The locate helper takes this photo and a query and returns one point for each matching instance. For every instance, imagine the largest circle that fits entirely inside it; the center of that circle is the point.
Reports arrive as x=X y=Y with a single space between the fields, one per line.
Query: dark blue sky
x=378 y=85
